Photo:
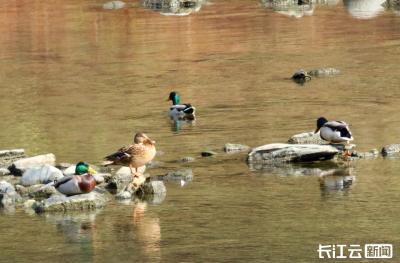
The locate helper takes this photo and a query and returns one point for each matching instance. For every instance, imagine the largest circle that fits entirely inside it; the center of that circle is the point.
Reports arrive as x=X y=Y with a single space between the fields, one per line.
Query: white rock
x=41 y=175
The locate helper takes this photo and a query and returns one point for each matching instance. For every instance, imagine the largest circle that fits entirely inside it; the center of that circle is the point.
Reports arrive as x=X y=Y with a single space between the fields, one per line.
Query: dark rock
x=390 y=149
x=208 y=153
x=20 y=166
x=301 y=76
x=41 y=175
x=323 y=72
x=280 y=152
x=62 y=203
x=7 y=157
x=232 y=147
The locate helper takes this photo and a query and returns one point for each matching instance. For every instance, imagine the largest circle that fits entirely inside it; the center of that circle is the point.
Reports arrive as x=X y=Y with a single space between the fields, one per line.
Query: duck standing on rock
x=334 y=132
x=81 y=182
x=180 y=111
x=135 y=155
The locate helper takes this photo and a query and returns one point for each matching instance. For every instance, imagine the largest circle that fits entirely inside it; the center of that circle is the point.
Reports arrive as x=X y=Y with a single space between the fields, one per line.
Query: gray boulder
x=41 y=175
x=153 y=191
x=62 y=203
x=281 y=152
x=20 y=166
x=234 y=147
x=390 y=149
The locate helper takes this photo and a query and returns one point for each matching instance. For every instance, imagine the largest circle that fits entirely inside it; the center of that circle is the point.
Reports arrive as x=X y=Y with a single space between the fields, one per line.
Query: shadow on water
x=174 y=7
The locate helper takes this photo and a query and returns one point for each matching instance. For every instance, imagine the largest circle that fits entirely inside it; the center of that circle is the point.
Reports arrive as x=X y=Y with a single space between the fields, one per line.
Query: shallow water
x=78 y=81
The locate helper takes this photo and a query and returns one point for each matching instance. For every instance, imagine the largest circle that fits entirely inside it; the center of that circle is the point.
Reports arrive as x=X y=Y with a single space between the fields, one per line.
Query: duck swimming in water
x=333 y=131
x=180 y=111
x=135 y=155
x=81 y=182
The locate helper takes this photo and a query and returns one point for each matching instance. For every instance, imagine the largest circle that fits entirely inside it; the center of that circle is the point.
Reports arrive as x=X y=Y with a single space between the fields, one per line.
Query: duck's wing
x=123 y=154
x=63 y=180
x=341 y=127
x=186 y=108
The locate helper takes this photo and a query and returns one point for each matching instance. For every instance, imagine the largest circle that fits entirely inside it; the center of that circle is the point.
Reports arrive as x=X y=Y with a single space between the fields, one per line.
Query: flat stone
x=41 y=175
x=62 y=203
x=281 y=152
x=7 y=157
x=38 y=191
x=390 y=149
x=306 y=138
x=20 y=166
x=234 y=147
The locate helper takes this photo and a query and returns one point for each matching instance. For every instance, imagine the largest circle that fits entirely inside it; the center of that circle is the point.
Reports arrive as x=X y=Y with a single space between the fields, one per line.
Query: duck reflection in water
x=337 y=180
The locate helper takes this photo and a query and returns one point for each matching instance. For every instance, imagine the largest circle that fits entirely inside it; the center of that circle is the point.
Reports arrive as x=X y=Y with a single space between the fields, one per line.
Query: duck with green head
x=81 y=182
x=180 y=111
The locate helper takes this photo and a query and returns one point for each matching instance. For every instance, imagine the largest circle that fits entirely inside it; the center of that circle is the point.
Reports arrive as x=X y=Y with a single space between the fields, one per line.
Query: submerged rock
x=182 y=174
x=62 y=203
x=306 y=138
x=390 y=149
x=324 y=72
x=280 y=152
x=114 y=5
x=41 y=175
x=365 y=155
x=187 y=159
x=20 y=166
x=234 y=147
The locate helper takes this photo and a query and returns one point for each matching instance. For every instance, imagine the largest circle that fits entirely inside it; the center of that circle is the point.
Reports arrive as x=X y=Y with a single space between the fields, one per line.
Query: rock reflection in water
x=76 y=227
x=336 y=180
x=364 y=9
x=296 y=8
x=295 y=169
x=174 y=7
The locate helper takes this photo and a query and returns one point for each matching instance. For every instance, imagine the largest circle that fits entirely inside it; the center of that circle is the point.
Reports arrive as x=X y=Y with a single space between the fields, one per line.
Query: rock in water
x=113 y=5
x=306 y=138
x=208 y=153
x=154 y=191
x=182 y=174
x=9 y=156
x=122 y=178
x=233 y=147
x=62 y=203
x=280 y=152
x=20 y=166
x=41 y=175
x=324 y=72
x=390 y=149
x=8 y=195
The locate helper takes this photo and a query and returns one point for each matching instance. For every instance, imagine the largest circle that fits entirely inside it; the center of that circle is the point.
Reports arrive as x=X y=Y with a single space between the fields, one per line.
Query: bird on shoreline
x=135 y=155
x=180 y=111
x=81 y=182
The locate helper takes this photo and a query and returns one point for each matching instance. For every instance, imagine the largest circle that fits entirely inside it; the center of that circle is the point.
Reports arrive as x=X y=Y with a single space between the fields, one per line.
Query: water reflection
x=177 y=124
x=294 y=8
x=336 y=181
x=364 y=9
x=295 y=169
x=174 y=7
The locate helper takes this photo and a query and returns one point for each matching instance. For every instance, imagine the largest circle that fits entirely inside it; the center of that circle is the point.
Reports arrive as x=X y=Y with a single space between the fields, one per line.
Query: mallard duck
x=180 y=111
x=81 y=182
x=333 y=131
x=135 y=155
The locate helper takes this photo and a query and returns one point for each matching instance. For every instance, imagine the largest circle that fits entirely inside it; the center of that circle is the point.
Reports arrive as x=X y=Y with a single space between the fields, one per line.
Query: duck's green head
x=174 y=96
x=320 y=122
x=83 y=168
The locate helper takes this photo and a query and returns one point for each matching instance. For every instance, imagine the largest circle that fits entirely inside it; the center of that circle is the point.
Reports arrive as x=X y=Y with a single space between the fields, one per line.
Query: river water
x=79 y=81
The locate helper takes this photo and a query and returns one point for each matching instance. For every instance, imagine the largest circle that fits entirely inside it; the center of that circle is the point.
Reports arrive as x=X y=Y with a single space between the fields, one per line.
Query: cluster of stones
x=28 y=182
